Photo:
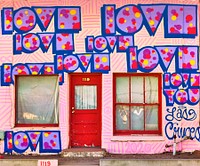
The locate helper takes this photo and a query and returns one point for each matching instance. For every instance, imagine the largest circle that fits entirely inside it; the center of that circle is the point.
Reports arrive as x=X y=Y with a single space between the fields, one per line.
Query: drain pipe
x=174 y=145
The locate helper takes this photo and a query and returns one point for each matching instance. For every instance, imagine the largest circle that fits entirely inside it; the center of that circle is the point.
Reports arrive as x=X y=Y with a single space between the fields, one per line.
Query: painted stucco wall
x=91 y=26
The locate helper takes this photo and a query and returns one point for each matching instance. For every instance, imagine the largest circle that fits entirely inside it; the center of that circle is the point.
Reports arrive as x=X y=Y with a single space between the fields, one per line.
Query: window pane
x=37 y=99
x=122 y=117
x=151 y=117
x=151 y=90
x=122 y=90
x=137 y=95
x=137 y=118
x=85 y=97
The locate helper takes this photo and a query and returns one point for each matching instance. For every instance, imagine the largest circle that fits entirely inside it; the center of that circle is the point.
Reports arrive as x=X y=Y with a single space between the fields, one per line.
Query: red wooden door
x=85 y=110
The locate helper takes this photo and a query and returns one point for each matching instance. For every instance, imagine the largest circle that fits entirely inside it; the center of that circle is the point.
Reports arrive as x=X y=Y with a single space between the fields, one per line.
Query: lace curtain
x=85 y=97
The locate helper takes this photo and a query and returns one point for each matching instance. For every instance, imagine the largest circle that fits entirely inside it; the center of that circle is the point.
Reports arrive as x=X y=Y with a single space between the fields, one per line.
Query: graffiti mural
x=23 y=20
x=176 y=115
x=126 y=20
x=47 y=141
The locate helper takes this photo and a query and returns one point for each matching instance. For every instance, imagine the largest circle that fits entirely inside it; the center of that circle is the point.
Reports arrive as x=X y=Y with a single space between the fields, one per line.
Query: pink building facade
x=119 y=75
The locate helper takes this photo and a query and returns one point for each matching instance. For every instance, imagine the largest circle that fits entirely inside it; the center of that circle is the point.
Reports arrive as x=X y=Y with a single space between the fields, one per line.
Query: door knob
x=73 y=111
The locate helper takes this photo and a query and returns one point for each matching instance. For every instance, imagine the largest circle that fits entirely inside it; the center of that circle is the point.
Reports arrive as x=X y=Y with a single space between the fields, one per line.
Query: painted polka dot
x=97 y=66
x=28 y=45
x=104 y=59
x=19 y=22
x=180 y=53
x=108 y=8
x=146 y=62
x=173 y=18
x=26 y=12
x=166 y=49
x=72 y=12
x=192 y=62
x=151 y=22
x=7 y=22
x=137 y=15
x=39 y=11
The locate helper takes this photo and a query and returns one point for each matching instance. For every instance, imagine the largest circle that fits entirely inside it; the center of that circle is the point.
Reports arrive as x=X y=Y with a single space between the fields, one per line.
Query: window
x=85 y=97
x=137 y=103
x=37 y=100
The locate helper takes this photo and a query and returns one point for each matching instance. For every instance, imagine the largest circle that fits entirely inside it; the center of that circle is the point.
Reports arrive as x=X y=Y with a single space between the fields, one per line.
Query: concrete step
x=77 y=163
x=149 y=162
x=83 y=152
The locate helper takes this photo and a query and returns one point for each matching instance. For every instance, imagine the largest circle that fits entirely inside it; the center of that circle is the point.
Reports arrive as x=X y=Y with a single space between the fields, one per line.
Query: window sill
x=36 y=127
x=137 y=138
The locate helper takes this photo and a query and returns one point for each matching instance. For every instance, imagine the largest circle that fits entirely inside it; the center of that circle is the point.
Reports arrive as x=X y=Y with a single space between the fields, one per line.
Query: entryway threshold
x=84 y=152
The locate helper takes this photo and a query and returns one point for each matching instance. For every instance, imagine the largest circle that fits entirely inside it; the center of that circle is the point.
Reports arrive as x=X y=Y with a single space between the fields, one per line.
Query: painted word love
x=49 y=141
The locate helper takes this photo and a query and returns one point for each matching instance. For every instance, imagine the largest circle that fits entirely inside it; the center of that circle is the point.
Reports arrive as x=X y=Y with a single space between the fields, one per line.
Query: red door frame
x=99 y=102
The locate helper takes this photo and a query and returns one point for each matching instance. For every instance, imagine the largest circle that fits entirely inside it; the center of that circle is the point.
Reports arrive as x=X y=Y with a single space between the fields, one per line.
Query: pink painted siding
x=91 y=25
